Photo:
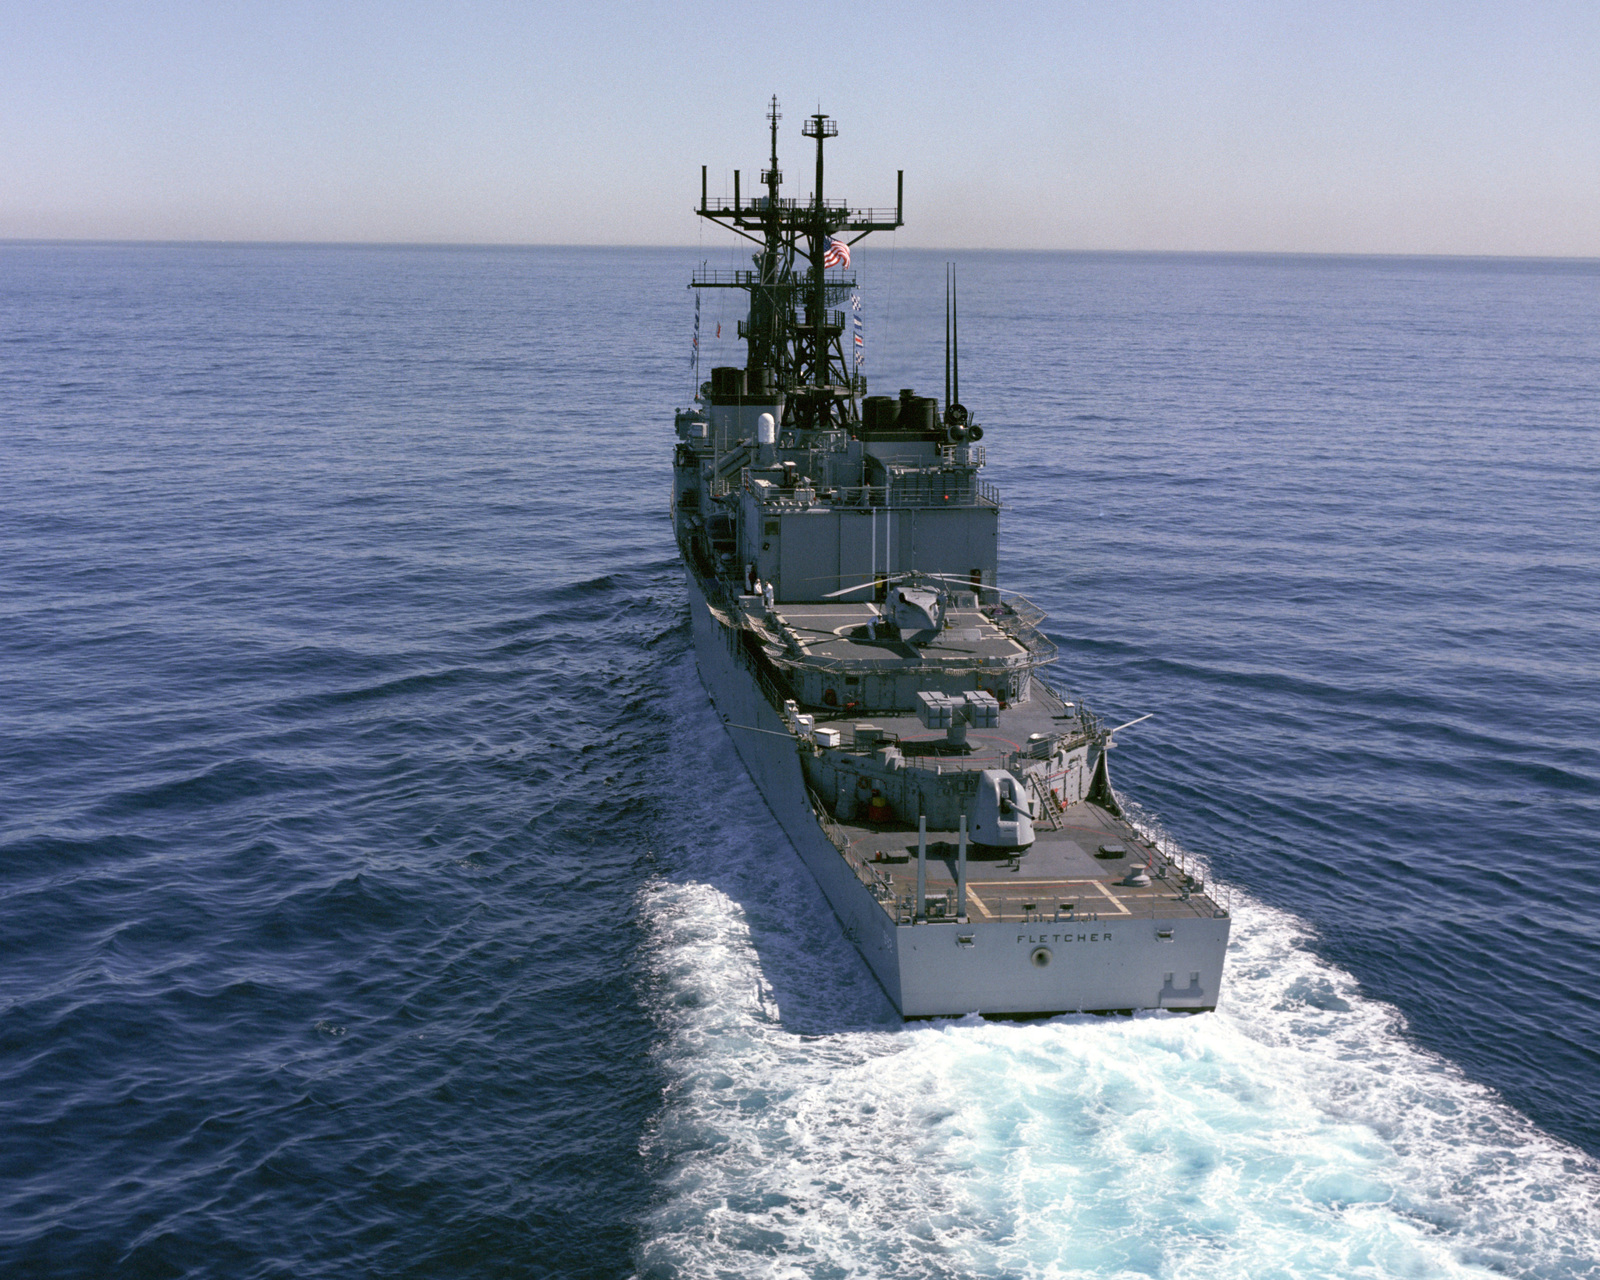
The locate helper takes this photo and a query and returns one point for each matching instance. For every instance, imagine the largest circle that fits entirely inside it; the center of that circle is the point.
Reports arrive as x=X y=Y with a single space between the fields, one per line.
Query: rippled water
x=381 y=897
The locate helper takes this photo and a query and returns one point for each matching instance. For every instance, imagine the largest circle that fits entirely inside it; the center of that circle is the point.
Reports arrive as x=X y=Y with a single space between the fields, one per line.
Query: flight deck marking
x=976 y=901
x=1110 y=897
x=1035 y=885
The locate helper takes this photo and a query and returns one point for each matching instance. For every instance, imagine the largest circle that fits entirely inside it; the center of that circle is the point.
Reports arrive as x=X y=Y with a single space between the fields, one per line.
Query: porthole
x=1041 y=957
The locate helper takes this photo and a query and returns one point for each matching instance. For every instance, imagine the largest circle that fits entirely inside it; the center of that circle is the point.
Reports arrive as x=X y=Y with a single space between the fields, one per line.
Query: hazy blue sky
x=1359 y=127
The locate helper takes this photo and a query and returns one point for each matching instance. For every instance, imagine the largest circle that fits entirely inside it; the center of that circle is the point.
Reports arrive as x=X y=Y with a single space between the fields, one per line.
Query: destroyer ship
x=885 y=692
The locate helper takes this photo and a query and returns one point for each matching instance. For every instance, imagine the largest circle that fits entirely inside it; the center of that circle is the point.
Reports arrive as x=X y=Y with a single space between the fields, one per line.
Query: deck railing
x=919 y=491
x=1090 y=909
x=1019 y=618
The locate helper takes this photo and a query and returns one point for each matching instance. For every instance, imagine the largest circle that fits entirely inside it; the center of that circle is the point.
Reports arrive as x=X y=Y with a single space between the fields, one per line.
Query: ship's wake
x=1295 y=1132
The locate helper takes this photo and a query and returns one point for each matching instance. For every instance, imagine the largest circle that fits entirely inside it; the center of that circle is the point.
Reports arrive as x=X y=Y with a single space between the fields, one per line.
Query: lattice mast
x=794 y=341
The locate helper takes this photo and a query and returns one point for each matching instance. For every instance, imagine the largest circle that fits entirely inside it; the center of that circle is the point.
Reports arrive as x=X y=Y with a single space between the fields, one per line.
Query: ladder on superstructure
x=1049 y=805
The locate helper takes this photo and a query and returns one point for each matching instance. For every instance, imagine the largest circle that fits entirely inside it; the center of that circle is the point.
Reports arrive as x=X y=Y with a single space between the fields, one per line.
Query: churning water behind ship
x=381 y=896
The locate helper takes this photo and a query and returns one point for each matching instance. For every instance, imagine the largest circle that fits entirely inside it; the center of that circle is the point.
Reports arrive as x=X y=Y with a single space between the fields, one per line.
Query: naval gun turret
x=1002 y=812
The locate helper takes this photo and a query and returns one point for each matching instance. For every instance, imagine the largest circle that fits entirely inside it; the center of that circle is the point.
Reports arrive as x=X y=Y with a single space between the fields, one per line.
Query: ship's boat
x=886 y=694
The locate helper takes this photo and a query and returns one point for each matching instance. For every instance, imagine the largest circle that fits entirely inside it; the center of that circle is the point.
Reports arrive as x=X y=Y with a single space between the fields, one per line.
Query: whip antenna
x=947 y=400
x=955 y=334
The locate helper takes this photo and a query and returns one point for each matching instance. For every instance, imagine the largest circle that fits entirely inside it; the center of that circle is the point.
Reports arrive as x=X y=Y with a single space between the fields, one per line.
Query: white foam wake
x=1293 y=1133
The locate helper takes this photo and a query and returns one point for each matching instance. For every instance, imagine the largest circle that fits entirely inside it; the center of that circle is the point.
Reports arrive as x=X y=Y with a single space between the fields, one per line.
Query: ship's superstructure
x=886 y=694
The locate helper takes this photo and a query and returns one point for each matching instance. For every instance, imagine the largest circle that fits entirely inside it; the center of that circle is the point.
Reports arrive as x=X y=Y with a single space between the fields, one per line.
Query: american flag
x=837 y=254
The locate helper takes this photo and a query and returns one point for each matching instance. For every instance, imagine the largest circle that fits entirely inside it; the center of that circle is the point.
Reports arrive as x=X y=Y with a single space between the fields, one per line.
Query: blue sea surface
x=380 y=896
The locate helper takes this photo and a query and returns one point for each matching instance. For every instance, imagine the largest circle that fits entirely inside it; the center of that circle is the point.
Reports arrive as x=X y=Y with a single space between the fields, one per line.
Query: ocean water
x=380 y=896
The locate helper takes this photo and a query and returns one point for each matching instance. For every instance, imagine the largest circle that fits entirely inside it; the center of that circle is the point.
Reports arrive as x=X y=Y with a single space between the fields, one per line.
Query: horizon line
x=135 y=242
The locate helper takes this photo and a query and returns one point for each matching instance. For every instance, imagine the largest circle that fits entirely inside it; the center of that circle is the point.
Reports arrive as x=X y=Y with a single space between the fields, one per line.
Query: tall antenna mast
x=821 y=128
x=955 y=413
x=955 y=334
x=948 y=400
x=773 y=177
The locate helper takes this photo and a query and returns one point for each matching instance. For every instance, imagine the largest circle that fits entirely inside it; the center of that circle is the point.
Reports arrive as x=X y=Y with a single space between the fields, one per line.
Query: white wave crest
x=1295 y=1132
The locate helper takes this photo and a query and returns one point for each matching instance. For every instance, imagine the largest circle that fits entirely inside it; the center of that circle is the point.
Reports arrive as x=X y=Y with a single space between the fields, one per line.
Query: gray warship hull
x=1112 y=957
x=885 y=693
